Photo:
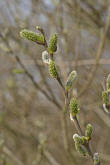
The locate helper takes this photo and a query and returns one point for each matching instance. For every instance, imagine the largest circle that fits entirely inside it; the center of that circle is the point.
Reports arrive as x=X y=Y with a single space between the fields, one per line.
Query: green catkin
x=108 y=83
x=74 y=107
x=81 y=149
x=53 y=70
x=52 y=46
x=88 y=131
x=29 y=35
x=79 y=142
x=80 y=139
x=71 y=78
x=105 y=97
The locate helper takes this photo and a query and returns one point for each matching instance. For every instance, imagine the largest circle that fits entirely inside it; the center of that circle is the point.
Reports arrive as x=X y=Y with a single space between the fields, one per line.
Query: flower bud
x=71 y=78
x=74 y=107
x=108 y=83
x=45 y=57
x=53 y=70
x=52 y=47
x=29 y=35
x=96 y=159
x=88 y=131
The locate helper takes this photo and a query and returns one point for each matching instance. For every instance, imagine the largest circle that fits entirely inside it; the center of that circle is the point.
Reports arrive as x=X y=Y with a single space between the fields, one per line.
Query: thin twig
x=77 y=125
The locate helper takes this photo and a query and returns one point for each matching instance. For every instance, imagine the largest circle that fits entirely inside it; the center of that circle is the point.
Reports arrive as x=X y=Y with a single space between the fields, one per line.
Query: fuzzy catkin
x=88 y=131
x=29 y=35
x=71 y=78
x=52 y=47
x=105 y=97
x=108 y=82
x=74 y=107
x=53 y=70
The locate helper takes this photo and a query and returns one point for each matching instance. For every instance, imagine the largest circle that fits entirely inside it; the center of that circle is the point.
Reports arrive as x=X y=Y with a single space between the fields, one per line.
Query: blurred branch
x=84 y=14
x=98 y=55
x=50 y=158
x=77 y=34
x=102 y=61
x=11 y=155
x=31 y=137
x=36 y=85
x=103 y=117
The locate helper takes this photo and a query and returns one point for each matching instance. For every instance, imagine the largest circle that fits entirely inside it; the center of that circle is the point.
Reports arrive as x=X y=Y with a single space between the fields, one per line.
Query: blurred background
x=33 y=128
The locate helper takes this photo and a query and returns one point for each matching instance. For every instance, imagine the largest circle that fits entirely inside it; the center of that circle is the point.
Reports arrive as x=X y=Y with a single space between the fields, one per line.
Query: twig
x=74 y=105
x=77 y=125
